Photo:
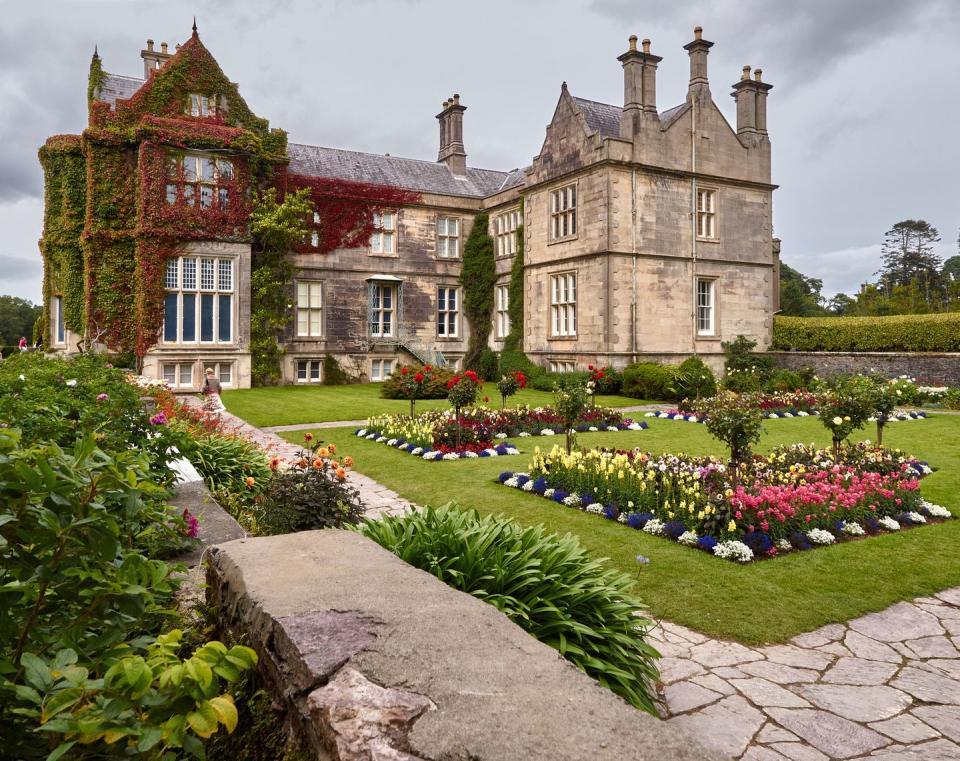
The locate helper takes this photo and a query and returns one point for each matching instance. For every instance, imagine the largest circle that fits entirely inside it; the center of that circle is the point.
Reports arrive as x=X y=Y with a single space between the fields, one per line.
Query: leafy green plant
x=228 y=462
x=488 y=367
x=884 y=398
x=478 y=276
x=545 y=583
x=741 y=358
x=649 y=380
x=570 y=400
x=313 y=494
x=846 y=407
x=694 y=380
x=544 y=381
x=333 y=373
x=144 y=706
x=735 y=421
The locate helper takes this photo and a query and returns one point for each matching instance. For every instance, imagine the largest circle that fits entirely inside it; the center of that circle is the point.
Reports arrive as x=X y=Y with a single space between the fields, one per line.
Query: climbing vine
x=478 y=276
x=514 y=339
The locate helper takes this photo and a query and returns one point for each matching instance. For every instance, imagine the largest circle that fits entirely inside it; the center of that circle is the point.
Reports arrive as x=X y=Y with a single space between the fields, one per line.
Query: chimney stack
x=699 y=49
x=751 y=97
x=452 y=152
x=639 y=86
x=153 y=60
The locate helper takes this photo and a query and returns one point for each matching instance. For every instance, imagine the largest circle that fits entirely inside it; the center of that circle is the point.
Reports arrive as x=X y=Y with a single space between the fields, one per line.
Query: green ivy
x=478 y=276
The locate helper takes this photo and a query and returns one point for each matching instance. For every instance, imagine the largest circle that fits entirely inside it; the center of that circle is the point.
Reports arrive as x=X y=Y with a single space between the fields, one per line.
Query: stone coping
x=378 y=659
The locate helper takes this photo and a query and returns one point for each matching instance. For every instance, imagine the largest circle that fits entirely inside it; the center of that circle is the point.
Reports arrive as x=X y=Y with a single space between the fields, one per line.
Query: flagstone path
x=882 y=686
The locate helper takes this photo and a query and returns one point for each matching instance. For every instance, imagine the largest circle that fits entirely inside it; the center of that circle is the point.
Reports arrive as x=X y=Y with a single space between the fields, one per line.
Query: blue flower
x=586 y=499
x=501 y=449
x=559 y=495
x=673 y=529
x=507 y=474
x=838 y=526
x=582 y=428
x=643 y=560
x=611 y=512
x=484 y=453
x=872 y=525
x=707 y=543
x=521 y=480
x=644 y=424
x=638 y=520
x=799 y=540
x=758 y=541
x=540 y=485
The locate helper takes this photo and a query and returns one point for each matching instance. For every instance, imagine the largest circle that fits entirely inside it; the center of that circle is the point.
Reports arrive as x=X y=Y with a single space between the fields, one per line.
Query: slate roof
x=605 y=117
x=117 y=86
x=410 y=174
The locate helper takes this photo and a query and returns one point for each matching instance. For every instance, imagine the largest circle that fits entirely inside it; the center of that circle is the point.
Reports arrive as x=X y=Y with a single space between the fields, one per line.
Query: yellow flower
x=732 y=526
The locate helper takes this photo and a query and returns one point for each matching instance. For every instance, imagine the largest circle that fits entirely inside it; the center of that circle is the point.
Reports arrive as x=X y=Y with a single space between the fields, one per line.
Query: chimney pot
x=698 y=32
x=746 y=73
x=646 y=45
x=163 y=47
x=149 y=44
x=758 y=75
x=456 y=99
x=633 y=41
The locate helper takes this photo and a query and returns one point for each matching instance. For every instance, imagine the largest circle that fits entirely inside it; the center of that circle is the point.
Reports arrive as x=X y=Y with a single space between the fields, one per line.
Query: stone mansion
x=647 y=233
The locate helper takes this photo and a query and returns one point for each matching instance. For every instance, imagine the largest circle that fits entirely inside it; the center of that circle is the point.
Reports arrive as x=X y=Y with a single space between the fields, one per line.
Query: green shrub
x=847 y=407
x=488 y=368
x=226 y=462
x=550 y=381
x=735 y=421
x=307 y=497
x=511 y=361
x=546 y=583
x=650 y=380
x=606 y=380
x=333 y=374
x=435 y=388
x=782 y=381
x=951 y=400
x=909 y=332
x=694 y=380
x=741 y=357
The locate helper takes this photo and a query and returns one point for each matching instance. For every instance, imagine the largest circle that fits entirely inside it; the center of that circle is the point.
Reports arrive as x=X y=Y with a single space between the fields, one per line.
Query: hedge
x=911 y=332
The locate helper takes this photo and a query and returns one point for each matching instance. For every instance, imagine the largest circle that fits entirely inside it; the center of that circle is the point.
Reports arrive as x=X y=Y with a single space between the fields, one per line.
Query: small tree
x=846 y=408
x=570 y=400
x=883 y=399
x=597 y=374
x=736 y=421
x=412 y=384
x=509 y=385
x=462 y=392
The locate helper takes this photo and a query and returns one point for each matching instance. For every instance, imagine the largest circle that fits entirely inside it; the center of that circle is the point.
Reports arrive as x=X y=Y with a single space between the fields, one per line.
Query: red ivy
x=346 y=209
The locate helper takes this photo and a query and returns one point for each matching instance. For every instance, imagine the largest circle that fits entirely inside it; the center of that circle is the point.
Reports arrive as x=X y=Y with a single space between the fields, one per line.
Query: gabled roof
x=409 y=174
x=117 y=87
x=605 y=117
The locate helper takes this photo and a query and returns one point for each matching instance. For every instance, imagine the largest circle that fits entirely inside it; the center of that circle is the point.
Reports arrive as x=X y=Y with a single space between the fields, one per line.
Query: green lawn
x=290 y=405
x=768 y=601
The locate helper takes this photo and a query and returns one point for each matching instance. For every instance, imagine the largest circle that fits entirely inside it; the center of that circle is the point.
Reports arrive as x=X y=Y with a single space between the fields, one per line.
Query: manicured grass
x=768 y=601
x=290 y=405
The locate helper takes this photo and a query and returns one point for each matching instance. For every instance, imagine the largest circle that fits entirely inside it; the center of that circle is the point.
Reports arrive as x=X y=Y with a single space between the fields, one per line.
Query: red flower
x=418 y=377
x=427 y=368
x=471 y=375
x=453 y=381
x=404 y=370
x=589 y=367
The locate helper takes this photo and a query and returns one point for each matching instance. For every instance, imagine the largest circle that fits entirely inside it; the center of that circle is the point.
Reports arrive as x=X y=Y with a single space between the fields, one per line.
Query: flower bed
x=794 y=499
x=483 y=432
x=694 y=417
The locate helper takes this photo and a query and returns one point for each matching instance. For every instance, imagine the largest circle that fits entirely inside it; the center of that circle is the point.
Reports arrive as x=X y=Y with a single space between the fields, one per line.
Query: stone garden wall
x=373 y=658
x=928 y=369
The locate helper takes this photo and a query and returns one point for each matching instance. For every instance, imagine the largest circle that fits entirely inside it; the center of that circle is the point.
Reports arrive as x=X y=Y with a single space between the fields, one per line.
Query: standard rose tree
x=511 y=384
x=413 y=382
x=462 y=392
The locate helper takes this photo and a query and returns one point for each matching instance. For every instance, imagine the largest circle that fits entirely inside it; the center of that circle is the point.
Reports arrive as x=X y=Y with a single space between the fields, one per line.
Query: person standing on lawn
x=212 y=389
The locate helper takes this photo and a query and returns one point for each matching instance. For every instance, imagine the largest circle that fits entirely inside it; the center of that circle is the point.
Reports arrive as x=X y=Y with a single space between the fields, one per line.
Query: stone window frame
x=383 y=363
x=711 y=331
x=195 y=185
x=562 y=304
x=709 y=216
x=178 y=366
x=221 y=370
x=203 y=105
x=501 y=297
x=562 y=365
x=199 y=286
x=445 y=239
x=310 y=309
x=309 y=364
x=567 y=198
x=59 y=335
x=504 y=231
x=377 y=312
x=386 y=233
x=447 y=312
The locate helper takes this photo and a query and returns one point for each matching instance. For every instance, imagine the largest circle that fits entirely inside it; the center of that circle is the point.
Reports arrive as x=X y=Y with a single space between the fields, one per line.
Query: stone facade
x=664 y=248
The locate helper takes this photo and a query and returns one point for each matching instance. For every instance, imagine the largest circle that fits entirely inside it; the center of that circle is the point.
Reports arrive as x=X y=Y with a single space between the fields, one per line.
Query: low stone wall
x=928 y=369
x=375 y=659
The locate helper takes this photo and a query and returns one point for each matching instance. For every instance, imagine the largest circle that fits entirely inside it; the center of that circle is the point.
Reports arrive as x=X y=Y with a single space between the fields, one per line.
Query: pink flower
x=193 y=525
x=159 y=419
x=102 y=397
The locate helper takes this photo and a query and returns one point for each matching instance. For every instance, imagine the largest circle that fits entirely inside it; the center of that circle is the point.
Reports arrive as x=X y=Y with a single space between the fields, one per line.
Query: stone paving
x=885 y=685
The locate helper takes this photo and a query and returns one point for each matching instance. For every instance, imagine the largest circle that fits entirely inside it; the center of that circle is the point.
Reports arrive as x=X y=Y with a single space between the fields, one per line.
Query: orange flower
x=332 y=448
x=250 y=482
x=274 y=463
x=348 y=462
x=302 y=462
x=341 y=474
x=318 y=463
x=308 y=437
x=323 y=452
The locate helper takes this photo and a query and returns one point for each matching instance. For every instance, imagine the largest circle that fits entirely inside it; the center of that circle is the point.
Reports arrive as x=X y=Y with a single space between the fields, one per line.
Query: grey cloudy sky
x=863 y=116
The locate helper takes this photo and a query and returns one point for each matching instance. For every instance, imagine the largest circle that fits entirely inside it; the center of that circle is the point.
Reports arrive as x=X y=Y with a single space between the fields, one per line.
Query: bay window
x=201 y=314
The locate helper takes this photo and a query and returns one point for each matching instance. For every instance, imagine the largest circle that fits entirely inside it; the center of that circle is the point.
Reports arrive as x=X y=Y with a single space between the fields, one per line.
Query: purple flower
x=193 y=525
x=102 y=397
x=159 y=419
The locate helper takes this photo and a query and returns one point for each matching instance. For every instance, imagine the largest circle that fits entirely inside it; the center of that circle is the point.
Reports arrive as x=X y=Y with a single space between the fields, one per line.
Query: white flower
x=889 y=523
x=801 y=413
x=916 y=517
x=788 y=414
x=362 y=432
x=513 y=482
x=451 y=456
x=622 y=518
x=837 y=420
x=391 y=442
x=593 y=429
x=548 y=493
x=649 y=414
x=937 y=511
x=370 y=436
x=635 y=427
x=612 y=428
x=654 y=526
x=524 y=435
x=513 y=450
x=23 y=377
x=819 y=536
x=853 y=529
x=492 y=452
x=572 y=500
x=596 y=508
x=784 y=545
x=431 y=455
x=547 y=432
x=528 y=486
x=470 y=455
x=771 y=414
x=381 y=439
x=500 y=436
x=693 y=419
x=689 y=538
x=733 y=550
x=417 y=451
x=72 y=382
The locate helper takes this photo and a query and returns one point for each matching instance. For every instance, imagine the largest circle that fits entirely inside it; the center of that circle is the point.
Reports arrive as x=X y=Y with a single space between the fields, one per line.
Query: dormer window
x=199 y=179
x=202 y=105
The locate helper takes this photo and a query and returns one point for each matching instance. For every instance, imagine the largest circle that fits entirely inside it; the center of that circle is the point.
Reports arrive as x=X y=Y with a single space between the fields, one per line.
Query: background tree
x=842 y=304
x=951 y=270
x=799 y=295
x=478 y=277
x=16 y=318
x=908 y=256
